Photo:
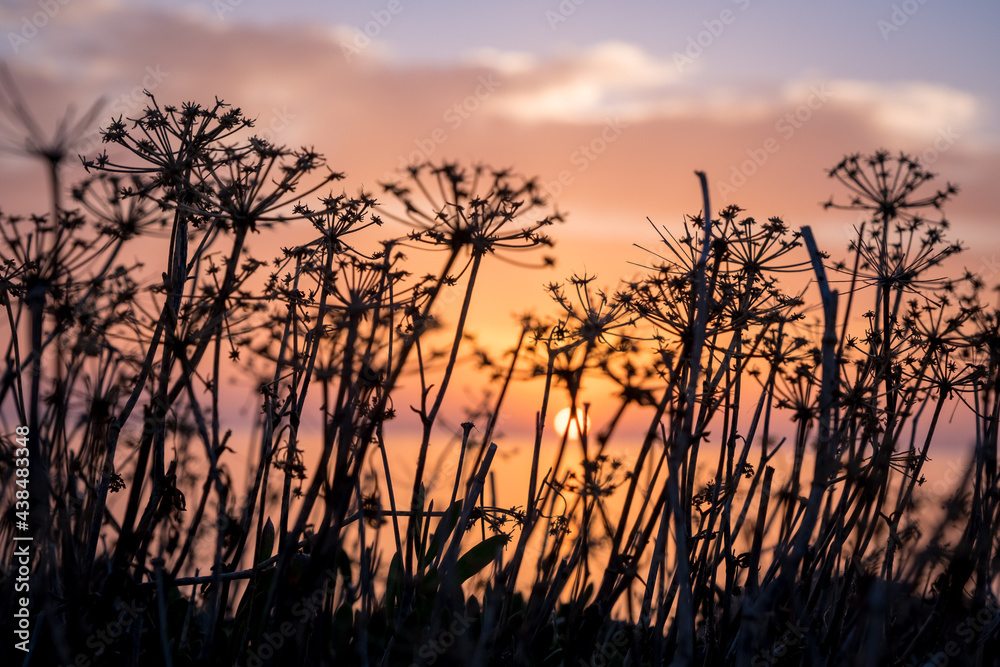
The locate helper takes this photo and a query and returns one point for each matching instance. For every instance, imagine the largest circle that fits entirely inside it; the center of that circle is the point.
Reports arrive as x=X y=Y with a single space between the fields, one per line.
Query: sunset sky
x=612 y=105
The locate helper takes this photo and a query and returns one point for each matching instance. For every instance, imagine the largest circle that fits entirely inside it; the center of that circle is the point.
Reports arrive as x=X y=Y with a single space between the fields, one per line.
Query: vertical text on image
x=22 y=552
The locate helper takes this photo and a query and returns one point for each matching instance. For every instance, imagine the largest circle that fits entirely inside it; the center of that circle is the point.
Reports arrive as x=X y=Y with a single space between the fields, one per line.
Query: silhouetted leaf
x=478 y=557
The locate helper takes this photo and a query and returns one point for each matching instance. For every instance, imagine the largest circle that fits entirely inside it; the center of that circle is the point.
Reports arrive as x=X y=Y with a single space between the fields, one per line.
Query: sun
x=562 y=422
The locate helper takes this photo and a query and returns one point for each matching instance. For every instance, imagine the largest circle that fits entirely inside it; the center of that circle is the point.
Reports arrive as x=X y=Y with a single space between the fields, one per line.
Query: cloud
x=612 y=78
x=510 y=63
x=908 y=109
x=373 y=114
x=615 y=79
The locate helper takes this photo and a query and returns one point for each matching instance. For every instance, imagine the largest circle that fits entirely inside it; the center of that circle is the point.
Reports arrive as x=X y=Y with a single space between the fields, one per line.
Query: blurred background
x=612 y=106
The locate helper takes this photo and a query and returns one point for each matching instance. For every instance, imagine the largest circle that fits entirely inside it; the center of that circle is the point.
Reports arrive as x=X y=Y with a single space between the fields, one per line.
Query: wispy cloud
x=376 y=110
x=612 y=78
x=910 y=109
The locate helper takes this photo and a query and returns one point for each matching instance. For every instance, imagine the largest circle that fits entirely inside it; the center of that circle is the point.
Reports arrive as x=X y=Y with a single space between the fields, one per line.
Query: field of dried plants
x=118 y=464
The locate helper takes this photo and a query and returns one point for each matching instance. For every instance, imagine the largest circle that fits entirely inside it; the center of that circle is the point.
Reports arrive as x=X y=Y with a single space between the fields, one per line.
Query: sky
x=613 y=106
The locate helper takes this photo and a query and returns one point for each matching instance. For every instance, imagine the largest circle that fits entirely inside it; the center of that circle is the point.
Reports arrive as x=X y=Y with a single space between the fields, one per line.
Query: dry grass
x=334 y=565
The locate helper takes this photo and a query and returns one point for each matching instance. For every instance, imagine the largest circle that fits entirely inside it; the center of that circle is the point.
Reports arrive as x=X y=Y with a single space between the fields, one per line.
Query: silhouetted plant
x=696 y=548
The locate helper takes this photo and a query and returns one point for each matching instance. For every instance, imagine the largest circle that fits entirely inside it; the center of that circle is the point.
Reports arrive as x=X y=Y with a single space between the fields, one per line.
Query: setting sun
x=562 y=422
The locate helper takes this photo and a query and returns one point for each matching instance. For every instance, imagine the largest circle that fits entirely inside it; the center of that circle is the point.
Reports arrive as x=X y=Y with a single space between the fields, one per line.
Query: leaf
x=250 y=611
x=266 y=544
x=343 y=624
x=343 y=562
x=429 y=584
x=478 y=557
x=445 y=528
x=393 y=585
x=585 y=597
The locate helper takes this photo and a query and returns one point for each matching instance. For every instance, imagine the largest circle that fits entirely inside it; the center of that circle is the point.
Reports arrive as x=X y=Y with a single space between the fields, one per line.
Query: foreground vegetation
x=146 y=551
